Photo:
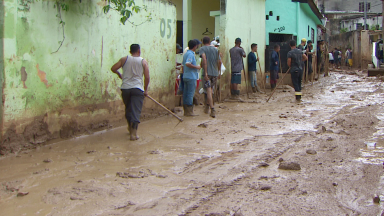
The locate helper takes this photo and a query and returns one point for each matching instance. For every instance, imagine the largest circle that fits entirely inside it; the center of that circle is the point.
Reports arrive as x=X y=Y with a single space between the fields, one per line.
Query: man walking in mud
x=295 y=62
x=134 y=68
x=237 y=54
x=211 y=63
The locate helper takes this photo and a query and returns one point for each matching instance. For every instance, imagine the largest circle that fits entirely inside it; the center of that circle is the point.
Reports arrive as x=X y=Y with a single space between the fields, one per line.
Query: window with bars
x=361 y=6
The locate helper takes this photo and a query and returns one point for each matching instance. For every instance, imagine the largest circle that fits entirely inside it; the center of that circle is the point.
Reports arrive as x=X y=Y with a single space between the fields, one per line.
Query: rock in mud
x=329 y=139
x=203 y=125
x=238 y=214
x=20 y=194
x=311 y=151
x=376 y=199
x=76 y=198
x=90 y=152
x=265 y=187
x=281 y=160
x=154 y=152
x=289 y=166
x=47 y=160
x=323 y=129
x=263 y=164
x=335 y=184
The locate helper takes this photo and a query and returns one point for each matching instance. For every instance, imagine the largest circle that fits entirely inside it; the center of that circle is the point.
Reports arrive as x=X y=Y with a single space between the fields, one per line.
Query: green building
x=287 y=20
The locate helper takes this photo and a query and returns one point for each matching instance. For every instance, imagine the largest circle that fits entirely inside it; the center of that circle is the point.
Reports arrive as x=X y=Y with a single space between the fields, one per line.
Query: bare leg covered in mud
x=323 y=156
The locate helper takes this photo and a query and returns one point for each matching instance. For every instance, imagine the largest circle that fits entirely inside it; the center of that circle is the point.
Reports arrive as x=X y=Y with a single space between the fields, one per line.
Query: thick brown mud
x=332 y=143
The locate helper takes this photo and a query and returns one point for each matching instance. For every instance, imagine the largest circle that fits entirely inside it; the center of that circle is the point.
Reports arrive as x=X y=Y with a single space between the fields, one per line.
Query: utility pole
x=365 y=14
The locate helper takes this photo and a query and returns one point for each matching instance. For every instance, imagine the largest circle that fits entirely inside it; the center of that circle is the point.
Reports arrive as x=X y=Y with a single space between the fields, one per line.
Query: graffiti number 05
x=164 y=27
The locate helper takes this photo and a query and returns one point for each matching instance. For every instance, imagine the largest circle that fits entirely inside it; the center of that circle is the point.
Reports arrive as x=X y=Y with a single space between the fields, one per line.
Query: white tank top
x=133 y=72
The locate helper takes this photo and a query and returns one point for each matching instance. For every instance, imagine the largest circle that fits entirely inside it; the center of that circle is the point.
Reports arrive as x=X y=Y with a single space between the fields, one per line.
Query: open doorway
x=202 y=20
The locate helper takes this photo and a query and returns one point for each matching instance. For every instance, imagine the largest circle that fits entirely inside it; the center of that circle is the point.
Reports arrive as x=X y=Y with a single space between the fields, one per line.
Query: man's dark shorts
x=211 y=83
x=236 y=78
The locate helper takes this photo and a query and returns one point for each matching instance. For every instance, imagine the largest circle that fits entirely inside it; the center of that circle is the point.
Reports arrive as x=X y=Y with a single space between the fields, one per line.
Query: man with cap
x=181 y=85
x=295 y=61
x=237 y=54
x=191 y=74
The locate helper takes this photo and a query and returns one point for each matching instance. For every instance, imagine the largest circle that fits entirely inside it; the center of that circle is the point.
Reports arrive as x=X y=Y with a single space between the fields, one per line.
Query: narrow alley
x=223 y=166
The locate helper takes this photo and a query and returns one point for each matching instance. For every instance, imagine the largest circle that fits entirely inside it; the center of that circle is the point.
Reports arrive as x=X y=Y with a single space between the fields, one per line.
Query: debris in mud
x=263 y=164
x=289 y=166
x=323 y=129
x=335 y=184
x=223 y=107
x=12 y=189
x=125 y=205
x=311 y=151
x=47 y=160
x=154 y=152
x=161 y=176
x=329 y=139
x=216 y=214
x=92 y=151
x=282 y=116
x=76 y=198
x=265 y=187
x=20 y=194
x=376 y=199
x=203 y=125
x=254 y=127
x=79 y=181
x=298 y=139
x=40 y=171
x=281 y=160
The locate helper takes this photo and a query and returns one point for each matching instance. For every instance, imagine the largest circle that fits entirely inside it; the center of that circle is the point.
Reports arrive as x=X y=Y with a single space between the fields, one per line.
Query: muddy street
x=323 y=156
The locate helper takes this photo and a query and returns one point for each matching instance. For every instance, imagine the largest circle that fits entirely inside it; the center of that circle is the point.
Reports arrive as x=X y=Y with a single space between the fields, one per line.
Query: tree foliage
x=343 y=30
x=126 y=8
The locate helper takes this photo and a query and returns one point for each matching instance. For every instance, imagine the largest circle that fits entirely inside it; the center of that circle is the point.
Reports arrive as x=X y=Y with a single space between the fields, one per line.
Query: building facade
x=286 y=20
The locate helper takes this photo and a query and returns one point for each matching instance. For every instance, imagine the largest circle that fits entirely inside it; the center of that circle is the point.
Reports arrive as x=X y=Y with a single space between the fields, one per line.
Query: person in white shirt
x=331 y=60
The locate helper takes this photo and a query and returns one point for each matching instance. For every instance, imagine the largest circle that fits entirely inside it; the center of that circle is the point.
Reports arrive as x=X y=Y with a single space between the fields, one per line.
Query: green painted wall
x=79 y=73
x=286 y=10
x=294 y=19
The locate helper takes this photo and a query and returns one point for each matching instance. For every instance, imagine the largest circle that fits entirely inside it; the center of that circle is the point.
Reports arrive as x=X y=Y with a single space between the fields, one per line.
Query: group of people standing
x=336 y=58
x=135 y=76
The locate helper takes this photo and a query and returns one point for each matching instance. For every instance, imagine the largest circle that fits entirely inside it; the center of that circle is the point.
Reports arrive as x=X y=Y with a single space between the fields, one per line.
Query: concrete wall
x=350 y=5
x=72 y=90
x=307 y=19
x=349 y=39
x=350 y=25
x=247 y=21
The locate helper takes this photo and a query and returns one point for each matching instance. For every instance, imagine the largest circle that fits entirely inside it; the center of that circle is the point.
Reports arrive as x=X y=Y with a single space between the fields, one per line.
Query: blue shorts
x=236 y=78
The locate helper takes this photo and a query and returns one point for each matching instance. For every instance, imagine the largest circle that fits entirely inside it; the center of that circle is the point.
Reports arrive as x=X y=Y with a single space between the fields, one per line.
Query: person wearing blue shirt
x=274 y=66
x=191 y=74
x=252 y=60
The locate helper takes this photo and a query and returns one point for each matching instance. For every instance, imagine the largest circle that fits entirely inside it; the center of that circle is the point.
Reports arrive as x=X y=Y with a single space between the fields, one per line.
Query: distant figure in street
x=346 y=57
x=134 y=67
x=237 y=54
x=336 y=57
x=350 y=61
x=252 y=68
x=309 y=52
x=191 y=74
x=211 y=64
x=331 y=59
x=274 y=67
x=295 y=62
